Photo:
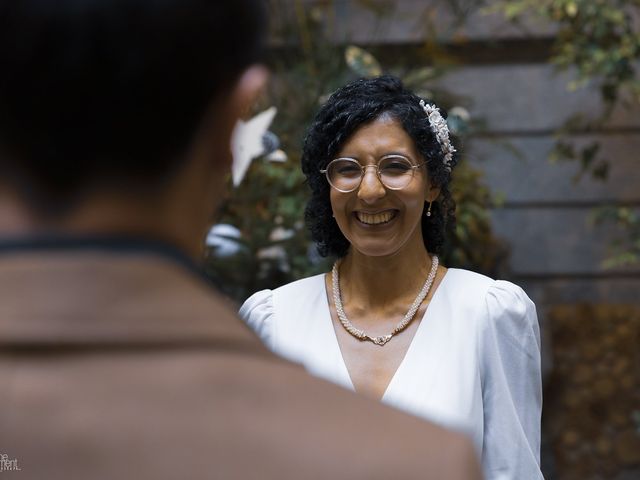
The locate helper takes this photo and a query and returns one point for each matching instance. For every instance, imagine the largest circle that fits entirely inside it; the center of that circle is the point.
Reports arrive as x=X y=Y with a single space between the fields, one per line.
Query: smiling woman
x=389 y=321
x=380 y=213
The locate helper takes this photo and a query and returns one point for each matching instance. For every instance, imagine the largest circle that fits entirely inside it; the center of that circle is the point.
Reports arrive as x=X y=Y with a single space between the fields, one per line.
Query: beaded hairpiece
x=441 y=131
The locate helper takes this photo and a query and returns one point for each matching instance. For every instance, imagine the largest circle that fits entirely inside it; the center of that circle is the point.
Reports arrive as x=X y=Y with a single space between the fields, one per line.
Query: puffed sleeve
x=511 y=384
x=258 y=312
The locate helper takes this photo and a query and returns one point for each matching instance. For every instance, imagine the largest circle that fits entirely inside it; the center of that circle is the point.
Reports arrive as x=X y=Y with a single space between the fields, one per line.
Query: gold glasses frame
x=363 y=169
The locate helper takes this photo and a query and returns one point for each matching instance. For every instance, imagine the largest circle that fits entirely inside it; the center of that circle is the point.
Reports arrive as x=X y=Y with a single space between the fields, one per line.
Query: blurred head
x=112 y=94
x=360 y=113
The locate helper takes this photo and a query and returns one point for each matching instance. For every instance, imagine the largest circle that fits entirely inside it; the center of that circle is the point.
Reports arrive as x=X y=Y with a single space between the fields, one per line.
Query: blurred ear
x=213 y=142
x=247 y=90
x=242 y=97
x=197 y=193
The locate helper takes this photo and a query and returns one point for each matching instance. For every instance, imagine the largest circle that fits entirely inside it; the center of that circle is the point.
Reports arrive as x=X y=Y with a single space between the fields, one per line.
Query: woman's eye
x=348 y=170
x=395 y=166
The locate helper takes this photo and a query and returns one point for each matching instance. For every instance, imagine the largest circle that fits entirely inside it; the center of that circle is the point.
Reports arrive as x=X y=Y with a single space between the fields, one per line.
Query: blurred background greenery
x=273 y=246
x=598 y=39
x=592 y=393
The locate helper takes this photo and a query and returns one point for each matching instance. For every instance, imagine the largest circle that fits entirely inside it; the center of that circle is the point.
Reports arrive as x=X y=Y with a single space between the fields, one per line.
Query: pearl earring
x=428 y=212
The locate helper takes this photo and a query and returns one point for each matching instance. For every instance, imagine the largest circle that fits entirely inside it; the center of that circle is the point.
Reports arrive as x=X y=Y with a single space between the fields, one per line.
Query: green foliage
x=596 y=37
x=598 y=40
x=268 y=206
x=625 y=249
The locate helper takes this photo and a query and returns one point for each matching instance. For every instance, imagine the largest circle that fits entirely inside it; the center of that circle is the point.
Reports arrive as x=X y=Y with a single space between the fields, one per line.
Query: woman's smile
x=383 y=217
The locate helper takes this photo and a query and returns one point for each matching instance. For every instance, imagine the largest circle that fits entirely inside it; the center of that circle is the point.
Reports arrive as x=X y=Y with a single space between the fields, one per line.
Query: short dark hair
x=349 y=108
x=112 y=91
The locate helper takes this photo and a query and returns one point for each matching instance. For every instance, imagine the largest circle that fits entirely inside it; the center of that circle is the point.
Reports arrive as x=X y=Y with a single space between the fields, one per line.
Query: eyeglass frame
x=363 y=169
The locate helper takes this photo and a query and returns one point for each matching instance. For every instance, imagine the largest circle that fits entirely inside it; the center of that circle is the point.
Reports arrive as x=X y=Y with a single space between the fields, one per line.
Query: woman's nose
x=371 y=189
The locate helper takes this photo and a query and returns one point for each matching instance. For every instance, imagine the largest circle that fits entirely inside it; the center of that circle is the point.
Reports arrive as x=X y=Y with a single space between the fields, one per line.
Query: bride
x=390 y=321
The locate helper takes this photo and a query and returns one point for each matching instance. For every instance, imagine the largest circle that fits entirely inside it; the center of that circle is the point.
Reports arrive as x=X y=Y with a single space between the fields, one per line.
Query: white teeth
x=375 y=219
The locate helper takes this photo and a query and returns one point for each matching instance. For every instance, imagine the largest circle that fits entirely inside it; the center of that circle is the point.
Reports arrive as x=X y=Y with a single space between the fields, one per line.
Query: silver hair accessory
x=441 y=131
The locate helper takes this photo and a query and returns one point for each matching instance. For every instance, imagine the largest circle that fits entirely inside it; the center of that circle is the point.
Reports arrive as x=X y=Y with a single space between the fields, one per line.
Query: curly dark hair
x=349 y=108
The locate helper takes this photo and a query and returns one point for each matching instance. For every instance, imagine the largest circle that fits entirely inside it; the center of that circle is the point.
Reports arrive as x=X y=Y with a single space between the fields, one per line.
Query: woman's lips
x=377 y=218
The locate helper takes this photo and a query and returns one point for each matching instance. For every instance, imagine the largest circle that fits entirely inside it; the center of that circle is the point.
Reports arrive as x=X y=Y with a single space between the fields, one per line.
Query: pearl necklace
x=381 y=340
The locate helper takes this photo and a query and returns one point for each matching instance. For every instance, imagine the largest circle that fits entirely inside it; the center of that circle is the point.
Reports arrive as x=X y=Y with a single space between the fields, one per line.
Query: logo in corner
x=8 y=464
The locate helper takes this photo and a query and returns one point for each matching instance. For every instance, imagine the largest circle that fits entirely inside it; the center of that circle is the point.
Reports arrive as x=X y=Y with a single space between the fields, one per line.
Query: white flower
x=441 y=131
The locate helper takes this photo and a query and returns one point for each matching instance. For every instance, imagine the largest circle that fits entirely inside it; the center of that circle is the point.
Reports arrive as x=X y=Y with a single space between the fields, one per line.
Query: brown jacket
x=126 y=365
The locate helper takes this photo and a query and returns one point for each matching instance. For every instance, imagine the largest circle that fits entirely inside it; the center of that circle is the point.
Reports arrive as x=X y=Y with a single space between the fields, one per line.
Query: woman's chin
x=375 y=249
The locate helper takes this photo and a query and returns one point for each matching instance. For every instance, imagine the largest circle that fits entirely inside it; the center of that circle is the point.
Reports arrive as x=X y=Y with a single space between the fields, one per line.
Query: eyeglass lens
x=345 y=174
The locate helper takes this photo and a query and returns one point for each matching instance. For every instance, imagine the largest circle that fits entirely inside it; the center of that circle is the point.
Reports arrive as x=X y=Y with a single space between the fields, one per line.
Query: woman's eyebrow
x=396 y=154
x=387 y=154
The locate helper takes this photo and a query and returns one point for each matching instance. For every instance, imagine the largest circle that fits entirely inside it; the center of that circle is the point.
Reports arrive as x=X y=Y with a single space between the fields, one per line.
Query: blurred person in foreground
x=117 y=358
x=389 y=320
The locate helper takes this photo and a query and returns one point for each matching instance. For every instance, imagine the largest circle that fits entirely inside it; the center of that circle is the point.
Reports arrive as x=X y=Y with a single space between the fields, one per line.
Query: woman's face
x=378 y=221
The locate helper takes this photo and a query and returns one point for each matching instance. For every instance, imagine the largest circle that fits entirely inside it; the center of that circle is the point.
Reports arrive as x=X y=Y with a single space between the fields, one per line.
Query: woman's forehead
x=382 y=136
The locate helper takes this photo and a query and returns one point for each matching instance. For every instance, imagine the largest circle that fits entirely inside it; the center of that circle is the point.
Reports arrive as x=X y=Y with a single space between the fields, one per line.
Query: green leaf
x=362 y=62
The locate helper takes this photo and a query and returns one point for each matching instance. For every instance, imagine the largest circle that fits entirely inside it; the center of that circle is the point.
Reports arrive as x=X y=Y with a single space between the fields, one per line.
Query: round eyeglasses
x=394 y=172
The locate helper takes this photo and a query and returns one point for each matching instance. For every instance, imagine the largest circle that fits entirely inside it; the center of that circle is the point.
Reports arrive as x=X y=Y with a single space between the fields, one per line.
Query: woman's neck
x=381 y=280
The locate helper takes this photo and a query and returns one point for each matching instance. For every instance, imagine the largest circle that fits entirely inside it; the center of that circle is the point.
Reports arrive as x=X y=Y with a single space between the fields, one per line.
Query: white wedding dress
x=473 y=365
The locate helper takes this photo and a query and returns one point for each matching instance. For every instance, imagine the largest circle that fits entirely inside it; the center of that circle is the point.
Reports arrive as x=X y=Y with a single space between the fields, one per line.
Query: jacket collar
x=70 y=293
x=125 y=244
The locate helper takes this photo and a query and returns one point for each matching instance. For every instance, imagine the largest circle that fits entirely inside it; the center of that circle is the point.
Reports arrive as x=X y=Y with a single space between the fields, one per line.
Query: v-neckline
x=334 y=336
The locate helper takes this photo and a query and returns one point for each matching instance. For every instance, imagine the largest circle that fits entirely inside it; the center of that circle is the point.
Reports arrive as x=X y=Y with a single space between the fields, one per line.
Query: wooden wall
x=556 y=249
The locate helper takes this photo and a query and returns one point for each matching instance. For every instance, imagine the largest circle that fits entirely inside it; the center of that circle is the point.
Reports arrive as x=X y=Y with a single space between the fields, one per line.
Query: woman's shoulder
x=511 y=316
x=257 y=312
x=285 y=313
x=302 y=286
x=503 y=316
x=468 y=280
x=500 y=300
x=260 y=310
x=264 y=298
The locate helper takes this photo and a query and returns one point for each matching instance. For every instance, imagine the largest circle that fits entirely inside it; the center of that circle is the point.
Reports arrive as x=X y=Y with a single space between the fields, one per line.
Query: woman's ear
x=433 y=192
